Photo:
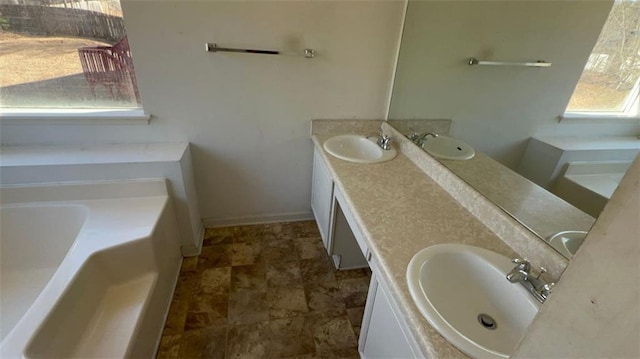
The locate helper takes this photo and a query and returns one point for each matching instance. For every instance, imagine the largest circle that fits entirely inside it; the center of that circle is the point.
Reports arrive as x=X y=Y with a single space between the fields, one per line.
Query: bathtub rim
x=18 y=338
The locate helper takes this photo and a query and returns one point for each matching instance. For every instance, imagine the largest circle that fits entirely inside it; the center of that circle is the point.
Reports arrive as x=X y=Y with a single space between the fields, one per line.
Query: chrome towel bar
x=211 y=47
x=539 y=63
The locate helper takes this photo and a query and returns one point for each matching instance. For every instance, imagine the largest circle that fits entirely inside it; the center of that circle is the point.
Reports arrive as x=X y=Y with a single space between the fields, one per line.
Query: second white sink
x=463 y=293
x=357 y=148
x=448 y=148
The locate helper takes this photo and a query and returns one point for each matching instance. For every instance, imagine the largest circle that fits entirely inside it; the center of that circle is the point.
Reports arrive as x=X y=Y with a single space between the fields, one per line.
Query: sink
x=448 y=148
x=462 y=292
x=567 y=242
x=359 y=149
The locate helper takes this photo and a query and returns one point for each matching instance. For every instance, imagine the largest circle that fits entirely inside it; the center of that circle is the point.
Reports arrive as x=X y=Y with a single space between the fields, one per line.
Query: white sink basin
x=356 y=148
x=567 y=242
x=462 y=292
x=448 y=148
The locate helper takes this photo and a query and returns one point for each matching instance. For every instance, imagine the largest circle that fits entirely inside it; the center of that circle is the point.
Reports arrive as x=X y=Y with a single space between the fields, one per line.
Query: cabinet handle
x=369 y=256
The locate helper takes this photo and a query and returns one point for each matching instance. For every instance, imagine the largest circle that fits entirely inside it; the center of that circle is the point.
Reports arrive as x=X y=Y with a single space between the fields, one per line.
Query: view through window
x=611 y=78
x=65 y=54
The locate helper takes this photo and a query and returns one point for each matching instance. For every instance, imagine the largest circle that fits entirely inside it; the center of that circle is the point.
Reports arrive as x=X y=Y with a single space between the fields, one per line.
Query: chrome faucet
x=521 y=273
x=418 y=138
x=383 y=140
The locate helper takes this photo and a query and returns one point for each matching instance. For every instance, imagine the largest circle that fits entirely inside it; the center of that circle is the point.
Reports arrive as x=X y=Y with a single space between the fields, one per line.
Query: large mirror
x=551 y=172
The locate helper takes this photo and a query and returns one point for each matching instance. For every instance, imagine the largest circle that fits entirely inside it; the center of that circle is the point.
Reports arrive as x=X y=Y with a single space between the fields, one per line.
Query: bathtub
x=87 y=270
x=590 y=185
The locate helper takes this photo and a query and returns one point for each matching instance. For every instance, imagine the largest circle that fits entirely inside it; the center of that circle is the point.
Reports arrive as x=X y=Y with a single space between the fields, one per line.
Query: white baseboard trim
x=191 y=251
x=272 y=218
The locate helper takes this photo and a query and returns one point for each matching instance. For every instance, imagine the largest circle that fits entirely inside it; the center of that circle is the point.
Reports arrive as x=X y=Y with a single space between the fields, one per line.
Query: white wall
x=497 y=109
x=247 y=116
x=594 y=311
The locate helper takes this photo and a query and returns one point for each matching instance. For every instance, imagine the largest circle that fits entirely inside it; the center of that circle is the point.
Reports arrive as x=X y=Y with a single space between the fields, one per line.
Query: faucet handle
x=522 y=263
x=543 y=270
x=384 y=141
x=546 y=289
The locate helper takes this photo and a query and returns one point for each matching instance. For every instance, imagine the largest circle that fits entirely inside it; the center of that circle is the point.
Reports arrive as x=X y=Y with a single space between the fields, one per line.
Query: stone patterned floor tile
x=355 y=317
x=207 y=343
x=325 y=297
x=353 y=273
x=286 y=303
x=169 y=347
x=252 y=277
x=281 y=251
x=189 y=264
x=248 y=341
x=305 y=229
x=264 y=291
x=284 y=275
x=290 y=337
x=305 y=356
x=207 y=310
x=215 y=281
x=333 y=335
x=215 y=256
x=310 y=248
x=247 y=252
x=247 y=232
x=215 y=236
x=248 y=306
x=283 y=230
x=354 y=291
x=339 y=353
x=187 y=281
x=317 y=270
x=176 y=318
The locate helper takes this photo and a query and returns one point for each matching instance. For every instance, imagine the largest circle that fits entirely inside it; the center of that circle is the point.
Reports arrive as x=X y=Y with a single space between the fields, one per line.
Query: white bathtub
x=86 y=270
x=590 y=185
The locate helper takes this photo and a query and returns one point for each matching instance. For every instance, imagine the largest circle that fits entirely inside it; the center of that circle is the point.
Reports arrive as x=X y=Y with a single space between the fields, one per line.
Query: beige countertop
x=542 y=211
x=401 y=210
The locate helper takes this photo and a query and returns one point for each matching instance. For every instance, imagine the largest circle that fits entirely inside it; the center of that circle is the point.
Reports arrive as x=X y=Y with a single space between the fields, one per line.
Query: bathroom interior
x=367 y=179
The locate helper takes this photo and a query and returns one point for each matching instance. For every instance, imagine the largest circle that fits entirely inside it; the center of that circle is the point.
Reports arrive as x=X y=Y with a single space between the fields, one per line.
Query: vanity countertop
x=542 y=211
x=401 y=210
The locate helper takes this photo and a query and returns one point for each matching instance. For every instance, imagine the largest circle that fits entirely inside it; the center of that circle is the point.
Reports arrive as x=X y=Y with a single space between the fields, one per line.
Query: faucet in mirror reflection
x=419 y=138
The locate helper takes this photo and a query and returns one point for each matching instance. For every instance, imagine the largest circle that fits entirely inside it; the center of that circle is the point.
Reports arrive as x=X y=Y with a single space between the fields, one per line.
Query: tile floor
x=265 y=291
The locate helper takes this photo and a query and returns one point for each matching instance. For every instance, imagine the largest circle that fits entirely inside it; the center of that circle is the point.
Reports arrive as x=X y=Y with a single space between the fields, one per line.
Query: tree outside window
x=610 y=81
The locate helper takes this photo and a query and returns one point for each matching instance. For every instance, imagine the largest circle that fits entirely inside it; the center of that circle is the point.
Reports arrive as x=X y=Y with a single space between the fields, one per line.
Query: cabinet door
x=322 y=197
x=382 y=335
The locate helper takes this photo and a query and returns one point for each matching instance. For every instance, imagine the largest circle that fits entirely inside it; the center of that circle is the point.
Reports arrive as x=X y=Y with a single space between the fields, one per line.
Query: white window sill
x=74 y=117
x=590 y=117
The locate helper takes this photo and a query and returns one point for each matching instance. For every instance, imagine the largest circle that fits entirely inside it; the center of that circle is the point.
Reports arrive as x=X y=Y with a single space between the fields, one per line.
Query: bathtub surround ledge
x=115 y=162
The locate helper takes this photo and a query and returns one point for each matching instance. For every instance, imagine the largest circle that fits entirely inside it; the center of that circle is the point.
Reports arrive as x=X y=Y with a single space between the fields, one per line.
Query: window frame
x=631 y=106
x=129 y=115
x=70 y=116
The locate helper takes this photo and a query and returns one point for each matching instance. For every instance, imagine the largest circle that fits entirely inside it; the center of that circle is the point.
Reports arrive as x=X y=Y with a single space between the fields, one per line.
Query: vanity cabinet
x=336 y=232
x=382 y=334
x=322 y=197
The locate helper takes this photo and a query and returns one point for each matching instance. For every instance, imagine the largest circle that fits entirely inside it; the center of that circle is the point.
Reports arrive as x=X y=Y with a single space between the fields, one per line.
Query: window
x=65 y=54
x=610 y=82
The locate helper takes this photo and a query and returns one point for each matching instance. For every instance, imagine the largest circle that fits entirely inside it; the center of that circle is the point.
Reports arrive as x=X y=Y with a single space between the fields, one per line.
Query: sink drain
x=487 y=321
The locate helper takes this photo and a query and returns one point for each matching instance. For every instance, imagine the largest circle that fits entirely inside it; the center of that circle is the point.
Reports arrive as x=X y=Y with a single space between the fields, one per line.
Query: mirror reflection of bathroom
x=552 y=162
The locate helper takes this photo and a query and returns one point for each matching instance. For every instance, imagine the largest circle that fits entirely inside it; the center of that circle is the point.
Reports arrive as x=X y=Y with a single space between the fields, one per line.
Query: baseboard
x=191 y=251
x=237 y=221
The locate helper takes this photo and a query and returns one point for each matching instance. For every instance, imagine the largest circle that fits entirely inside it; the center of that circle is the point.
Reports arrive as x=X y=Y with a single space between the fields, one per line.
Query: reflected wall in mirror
x=527 y=162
